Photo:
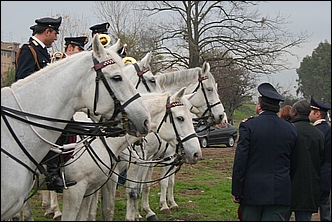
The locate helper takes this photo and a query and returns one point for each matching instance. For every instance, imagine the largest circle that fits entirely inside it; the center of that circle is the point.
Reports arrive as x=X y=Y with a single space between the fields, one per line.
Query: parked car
x=212 y=136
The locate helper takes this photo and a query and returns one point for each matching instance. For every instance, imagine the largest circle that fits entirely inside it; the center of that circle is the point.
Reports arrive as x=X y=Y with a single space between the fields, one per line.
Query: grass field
x=202 y=191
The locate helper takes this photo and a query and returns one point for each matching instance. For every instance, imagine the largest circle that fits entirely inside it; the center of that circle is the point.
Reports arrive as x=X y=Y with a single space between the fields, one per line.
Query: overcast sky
x=311 y=16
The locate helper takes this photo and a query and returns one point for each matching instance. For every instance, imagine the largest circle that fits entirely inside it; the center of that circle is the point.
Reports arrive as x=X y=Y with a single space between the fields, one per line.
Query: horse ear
x=116 y=46
x=98 y=48
x=189 y=96
x=176 y=97
x=146 y=60
x=205 y=67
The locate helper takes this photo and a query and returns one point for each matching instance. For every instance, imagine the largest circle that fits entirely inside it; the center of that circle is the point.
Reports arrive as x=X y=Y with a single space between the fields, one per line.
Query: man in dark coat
x=318 y=116
x=308 y=158
x=31 y=57
x=261 y=180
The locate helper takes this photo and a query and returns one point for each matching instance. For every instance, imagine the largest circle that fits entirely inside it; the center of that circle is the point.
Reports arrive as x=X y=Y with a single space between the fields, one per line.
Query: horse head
x=109 y=69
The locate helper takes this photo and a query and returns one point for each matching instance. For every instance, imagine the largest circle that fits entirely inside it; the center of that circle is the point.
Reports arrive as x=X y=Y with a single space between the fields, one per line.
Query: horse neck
x=154 y=145
x=50 y=91
x=119 y=144
x=174 y=81
x=156 y=104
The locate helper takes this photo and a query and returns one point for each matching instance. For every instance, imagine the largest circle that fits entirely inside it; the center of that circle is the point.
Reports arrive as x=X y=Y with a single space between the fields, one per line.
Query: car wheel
x=204 y=142
x=230 y=142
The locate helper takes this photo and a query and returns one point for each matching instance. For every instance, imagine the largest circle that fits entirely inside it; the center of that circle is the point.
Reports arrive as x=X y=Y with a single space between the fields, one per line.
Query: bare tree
x=236 y=86
x=130 y=24
x=257 y=43
x=233 y=36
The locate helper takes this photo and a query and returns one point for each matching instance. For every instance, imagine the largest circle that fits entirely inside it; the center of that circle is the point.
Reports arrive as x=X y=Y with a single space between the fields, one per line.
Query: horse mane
x=180 y=78
x=65 y=62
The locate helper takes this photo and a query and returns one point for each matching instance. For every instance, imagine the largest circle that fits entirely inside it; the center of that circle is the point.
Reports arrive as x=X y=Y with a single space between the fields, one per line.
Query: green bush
x=8 y=77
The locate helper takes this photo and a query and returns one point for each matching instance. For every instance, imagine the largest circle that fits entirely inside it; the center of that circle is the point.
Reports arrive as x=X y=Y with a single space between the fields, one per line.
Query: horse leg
x=16 y=217
x=88 y=205
x=72 y=200
x=55 y=205
x=163 y=191
x=93 y=207
x=25 y=214
x=46 y=203
x=27 y=211
x=133 y=192
x=108 y=192
x=173 y=205
x=150 y=215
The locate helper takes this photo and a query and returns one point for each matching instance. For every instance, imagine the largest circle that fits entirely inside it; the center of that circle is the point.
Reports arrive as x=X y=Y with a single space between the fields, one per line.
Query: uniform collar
x=40 y=42
x=319 y=121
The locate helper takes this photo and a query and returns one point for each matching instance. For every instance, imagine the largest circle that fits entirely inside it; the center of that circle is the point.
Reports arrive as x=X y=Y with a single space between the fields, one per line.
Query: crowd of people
x=282 y=163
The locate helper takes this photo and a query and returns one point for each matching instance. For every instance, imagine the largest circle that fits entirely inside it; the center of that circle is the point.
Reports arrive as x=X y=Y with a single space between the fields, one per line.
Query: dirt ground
x=230 y=152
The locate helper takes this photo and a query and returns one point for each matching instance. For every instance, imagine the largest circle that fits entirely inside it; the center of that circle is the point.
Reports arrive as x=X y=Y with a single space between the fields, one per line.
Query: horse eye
x=209 y=89
x=180 y=118
x=117 y=78
x=153 y=80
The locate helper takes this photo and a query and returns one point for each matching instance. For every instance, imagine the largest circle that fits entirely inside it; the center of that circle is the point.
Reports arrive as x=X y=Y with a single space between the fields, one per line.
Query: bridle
x=140 y=74
x=100 y=76
x=179 y=145
x=208 y=110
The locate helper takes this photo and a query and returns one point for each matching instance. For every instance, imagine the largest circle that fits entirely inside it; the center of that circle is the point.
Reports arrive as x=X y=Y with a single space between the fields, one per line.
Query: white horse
x=205 y=102
x=58 y=91
x=144 y=81
x=75 y=207
x=141 y=76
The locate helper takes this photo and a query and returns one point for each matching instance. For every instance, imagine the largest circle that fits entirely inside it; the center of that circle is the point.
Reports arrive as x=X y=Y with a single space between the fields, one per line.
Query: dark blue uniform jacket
x=26 y=62
x=261 y=171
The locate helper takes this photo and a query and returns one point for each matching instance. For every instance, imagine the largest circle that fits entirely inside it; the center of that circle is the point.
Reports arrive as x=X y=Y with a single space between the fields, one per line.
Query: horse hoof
x=57 y=219
x=166 y=211
x=49 y=215
x=152 y=218
x=175 y=208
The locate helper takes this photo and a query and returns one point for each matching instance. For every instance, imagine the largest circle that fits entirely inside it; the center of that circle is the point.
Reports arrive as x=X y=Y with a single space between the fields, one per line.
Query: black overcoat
x=308 y=155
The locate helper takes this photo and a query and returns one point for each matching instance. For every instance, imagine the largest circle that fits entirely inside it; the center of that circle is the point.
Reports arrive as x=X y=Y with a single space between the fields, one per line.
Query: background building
x=8 y=53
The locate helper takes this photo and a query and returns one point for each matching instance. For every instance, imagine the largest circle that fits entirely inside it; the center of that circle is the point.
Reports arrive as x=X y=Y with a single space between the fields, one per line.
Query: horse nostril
x=147 y=125
x=197 y=157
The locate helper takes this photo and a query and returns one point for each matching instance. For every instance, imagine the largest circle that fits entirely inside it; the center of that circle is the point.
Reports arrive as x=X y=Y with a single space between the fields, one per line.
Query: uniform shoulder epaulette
x=245 y=120
x=318 y=122
x=35 y=42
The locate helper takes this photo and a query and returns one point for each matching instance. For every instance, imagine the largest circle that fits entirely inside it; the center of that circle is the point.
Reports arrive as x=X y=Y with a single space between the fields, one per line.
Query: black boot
x=54 y=181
